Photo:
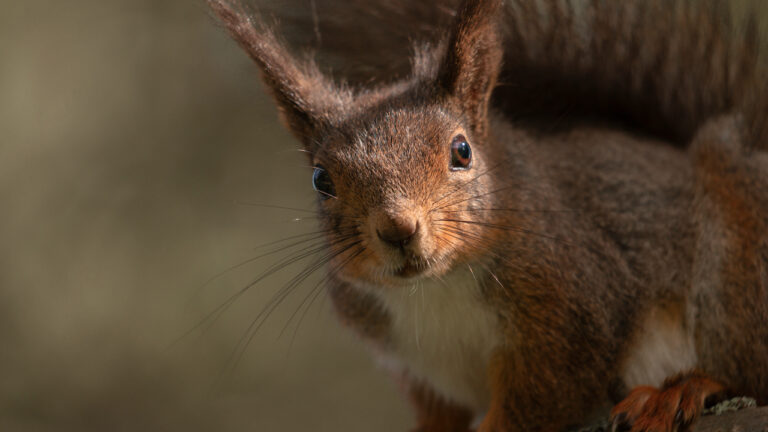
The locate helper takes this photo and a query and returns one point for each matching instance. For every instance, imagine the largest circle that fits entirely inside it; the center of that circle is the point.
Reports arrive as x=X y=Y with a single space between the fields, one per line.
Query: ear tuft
x=472 y=63
x=307 y=100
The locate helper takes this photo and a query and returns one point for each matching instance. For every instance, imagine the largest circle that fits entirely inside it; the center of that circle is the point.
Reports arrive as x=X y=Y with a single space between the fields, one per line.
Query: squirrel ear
x=473 y=60
x=306 y=99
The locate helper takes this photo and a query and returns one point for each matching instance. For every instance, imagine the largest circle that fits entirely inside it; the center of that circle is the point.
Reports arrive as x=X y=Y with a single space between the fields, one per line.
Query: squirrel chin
x=411 y=272
x=404 y=274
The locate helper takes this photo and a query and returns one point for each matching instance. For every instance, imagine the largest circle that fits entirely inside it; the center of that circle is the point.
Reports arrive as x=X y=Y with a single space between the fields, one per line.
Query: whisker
x=327 y=194
x=519 y=210
x=270 y=307
x=510 y=228
x=327 y=277
x=464 y=184
x=315 y=248
x=293 y=237
x=470 y=238
x=279 y=207
x=306 y=218
x=235 y=267
x=472 y=272
x=213 y=316
x=300 y=150
x=474 y=197
x=266 y=254
x=320 y=288
x=493 y=275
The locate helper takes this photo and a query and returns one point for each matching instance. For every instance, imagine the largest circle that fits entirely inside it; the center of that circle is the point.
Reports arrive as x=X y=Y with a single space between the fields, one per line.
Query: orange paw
x=674 y=407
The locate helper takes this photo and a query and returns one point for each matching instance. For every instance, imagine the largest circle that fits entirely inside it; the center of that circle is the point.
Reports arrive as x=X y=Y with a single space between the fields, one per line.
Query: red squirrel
x=562 y=208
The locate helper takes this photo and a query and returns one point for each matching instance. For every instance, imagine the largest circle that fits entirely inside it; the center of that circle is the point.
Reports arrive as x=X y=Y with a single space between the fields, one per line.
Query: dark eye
x=322 y=183
x=461 y=154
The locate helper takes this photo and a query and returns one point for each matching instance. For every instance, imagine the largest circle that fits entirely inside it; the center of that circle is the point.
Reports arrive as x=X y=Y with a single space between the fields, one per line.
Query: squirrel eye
x=322 y=183
x=461 y=154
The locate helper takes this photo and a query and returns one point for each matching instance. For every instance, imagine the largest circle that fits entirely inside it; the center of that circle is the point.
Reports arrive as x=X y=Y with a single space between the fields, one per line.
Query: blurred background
x=133 y=136
x=135 y=140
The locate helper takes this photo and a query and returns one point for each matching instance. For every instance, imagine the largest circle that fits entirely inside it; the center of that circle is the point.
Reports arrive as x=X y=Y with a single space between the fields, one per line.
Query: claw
x=674 y=407
x=620 y=423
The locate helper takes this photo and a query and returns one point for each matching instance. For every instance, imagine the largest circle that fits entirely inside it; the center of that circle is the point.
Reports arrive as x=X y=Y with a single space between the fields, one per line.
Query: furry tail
x=660 y=67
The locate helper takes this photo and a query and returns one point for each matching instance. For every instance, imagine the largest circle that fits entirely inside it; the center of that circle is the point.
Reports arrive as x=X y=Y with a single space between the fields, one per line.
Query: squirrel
x=562 y=210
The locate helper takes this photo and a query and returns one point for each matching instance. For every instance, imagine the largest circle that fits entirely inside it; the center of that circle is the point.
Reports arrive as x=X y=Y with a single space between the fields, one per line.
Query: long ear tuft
x=473 y=60
x=307 y=100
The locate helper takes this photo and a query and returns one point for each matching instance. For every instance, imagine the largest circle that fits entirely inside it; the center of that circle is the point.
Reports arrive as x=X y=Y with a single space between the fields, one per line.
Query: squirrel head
x=399 y=165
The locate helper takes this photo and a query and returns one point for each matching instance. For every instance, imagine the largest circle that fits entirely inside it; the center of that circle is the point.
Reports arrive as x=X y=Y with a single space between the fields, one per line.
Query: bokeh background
x=134 y=140
x=133 y=136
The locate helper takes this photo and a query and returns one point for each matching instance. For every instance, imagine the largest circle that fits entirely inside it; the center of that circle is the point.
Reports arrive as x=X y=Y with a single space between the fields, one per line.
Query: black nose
x=397 y=231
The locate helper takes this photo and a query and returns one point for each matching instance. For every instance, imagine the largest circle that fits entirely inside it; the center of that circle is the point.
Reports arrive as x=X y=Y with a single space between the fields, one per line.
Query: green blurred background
x=131 y=133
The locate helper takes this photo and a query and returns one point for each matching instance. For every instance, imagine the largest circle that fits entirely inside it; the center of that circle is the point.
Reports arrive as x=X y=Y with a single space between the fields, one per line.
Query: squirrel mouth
x=410 y=269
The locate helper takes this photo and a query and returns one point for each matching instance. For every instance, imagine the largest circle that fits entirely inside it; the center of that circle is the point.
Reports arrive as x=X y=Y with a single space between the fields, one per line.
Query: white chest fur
x=443 y=334
x=663 y=347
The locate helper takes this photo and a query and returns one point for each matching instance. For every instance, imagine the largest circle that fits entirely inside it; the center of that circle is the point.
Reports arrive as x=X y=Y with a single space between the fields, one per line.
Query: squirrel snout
x=397 y=231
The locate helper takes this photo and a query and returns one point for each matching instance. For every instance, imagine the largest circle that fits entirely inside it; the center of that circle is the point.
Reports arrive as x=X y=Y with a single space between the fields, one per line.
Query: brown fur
x=576 y=218
x=434 y=413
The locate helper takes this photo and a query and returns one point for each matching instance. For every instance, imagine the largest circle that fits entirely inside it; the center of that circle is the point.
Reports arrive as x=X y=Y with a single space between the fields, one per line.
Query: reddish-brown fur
x=612 y=175
x=673 y=407
x=434 y=413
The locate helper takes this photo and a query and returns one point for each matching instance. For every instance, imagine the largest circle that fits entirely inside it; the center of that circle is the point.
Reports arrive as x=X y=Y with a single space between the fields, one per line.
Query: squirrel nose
x=397 y=231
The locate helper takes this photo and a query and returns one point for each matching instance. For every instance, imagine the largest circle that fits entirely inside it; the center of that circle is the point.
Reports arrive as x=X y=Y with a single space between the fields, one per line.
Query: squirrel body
x=618 y=324
x=524 y=274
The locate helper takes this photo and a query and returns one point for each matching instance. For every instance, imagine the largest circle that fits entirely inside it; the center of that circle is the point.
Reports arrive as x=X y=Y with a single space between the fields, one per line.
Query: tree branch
x=732 y=415
x=746 y=420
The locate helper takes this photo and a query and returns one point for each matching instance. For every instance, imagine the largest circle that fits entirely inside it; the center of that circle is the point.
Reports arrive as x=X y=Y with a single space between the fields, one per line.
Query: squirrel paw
x=674 y=407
